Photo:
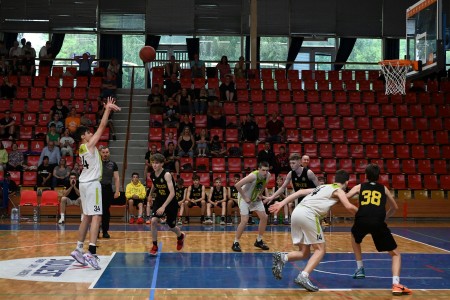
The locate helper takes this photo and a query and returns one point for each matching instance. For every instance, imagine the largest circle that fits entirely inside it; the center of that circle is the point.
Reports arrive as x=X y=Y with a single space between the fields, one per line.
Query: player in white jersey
x=305 y=226
x=251 y=189
x=90 y=188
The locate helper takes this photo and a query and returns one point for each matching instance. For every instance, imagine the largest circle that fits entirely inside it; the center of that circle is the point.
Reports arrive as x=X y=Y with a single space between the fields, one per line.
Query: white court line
x=445 y=250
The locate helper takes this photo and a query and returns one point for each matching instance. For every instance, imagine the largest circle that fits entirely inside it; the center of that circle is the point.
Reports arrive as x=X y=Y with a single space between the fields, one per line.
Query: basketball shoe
x=180 y=241
x=78 y=256
x=306 y=283
x=154 y=250
x=398 y=290
x=277 y=265
x=359 y=273
x=92 y=259
x=261 y=245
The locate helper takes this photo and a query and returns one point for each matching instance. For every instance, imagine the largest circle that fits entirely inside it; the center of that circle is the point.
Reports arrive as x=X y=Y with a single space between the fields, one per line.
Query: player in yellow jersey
x=90 y=187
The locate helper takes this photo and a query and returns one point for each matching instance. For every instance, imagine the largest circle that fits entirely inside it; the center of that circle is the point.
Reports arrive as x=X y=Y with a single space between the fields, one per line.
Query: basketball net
x=394 y=72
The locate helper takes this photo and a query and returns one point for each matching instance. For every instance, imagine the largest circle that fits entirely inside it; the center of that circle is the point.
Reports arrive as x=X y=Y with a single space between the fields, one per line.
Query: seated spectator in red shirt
x=274 y=129
x=282 y=159
x=216 y=116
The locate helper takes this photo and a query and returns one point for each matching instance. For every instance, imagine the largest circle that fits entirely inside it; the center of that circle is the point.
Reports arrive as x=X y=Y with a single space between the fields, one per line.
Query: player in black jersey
x=180 y=196
x=164 y=203
x=232 y=198
x=370 y=219
x=301 y=177
x=217 y=197
x=196 y=196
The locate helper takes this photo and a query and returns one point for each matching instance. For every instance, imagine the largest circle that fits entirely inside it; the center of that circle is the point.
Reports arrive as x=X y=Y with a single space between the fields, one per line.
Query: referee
x=110 y=171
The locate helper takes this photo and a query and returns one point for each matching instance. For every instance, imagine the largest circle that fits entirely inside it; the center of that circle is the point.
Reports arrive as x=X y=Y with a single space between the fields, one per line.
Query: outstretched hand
x=274 y=208
x=111 y=104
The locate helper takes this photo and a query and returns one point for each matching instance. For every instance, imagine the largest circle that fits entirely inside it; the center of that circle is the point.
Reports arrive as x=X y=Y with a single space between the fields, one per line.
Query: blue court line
x=155 y=272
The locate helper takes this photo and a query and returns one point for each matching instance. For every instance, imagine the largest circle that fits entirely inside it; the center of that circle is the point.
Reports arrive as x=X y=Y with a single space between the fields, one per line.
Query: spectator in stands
x=28 y=64
x=282 y=159
x=186 y=143
x=109 y=87
x=60 y=109
x=16 y=161
x=66 y=144
x=15 y=50
x=76 y=169
x=202 y=142
x=232 y=199
x=3 y=157
x=59 y=126
x=305 y=161
x=223 y=67
x=84 y=64
x=173 y=87
x=44 y=172
x=3 y=51
x=201 y=102
x=155 y=100
x=85 y=121
x=7 y=89
x=113 y=68
x=172 y=163
x=112 y=130
x=196 y=196
x=46 y=55
x=148 y=166
x=3 y=68
x=240 y=69
x=170 y=139
x=227 y=89
x=73 y=121
x=10 y=186
x=184 y=102
x=216 y=117
x=52 y=135
x=27 y=49
x=171 y=114
x=71 y=196
x=7 y=128
x=185 y=122
x=275 y=129
x=172 y=68
x=52 y=153
x=61 y=173
x=267 y=155
x=216 y=148
x=135 y=194
x=249 y=129
x=197 y=67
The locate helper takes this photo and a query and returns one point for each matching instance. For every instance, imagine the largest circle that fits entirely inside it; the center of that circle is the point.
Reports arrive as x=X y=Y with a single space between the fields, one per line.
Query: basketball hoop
x=394 y=72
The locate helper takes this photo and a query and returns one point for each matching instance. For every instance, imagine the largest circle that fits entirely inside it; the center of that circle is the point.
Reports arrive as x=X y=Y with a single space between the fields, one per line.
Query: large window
x=274 y=50
x=212 y=48
x=365 y=51
x=37 y=40
x=77 y=44
x=131 y=46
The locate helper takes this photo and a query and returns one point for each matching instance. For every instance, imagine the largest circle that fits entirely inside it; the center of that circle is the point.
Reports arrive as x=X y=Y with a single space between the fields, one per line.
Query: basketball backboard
x=424 y=31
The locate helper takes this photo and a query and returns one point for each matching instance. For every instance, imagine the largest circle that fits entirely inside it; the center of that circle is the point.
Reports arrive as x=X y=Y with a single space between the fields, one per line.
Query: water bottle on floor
x=35 y=214
x=14 y=215
x=214 y=218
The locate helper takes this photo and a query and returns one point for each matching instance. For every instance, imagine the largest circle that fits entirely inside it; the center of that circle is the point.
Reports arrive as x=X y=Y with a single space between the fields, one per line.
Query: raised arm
x=109 y=106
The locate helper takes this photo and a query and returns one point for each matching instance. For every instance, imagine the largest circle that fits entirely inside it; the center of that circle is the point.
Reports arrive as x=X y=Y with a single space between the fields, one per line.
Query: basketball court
x=36 y=264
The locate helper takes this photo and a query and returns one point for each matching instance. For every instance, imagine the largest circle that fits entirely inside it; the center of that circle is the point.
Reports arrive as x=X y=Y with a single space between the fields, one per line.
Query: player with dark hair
x=371 y=219
x=251 y=189
x=90 y=188
x=164 y=204
x=305 y=231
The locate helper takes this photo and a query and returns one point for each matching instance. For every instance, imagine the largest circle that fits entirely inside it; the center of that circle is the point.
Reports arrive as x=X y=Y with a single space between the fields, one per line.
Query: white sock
x=259 y=238
x=284 y=257
x=395 y=279
x=80 y=246
x=62 y=216
x=305 y=274
x=359 y=264
x=236 y=240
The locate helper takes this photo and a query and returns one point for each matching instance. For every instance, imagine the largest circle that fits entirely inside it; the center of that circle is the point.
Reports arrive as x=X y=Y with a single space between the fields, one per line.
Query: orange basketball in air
x=147 y=54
